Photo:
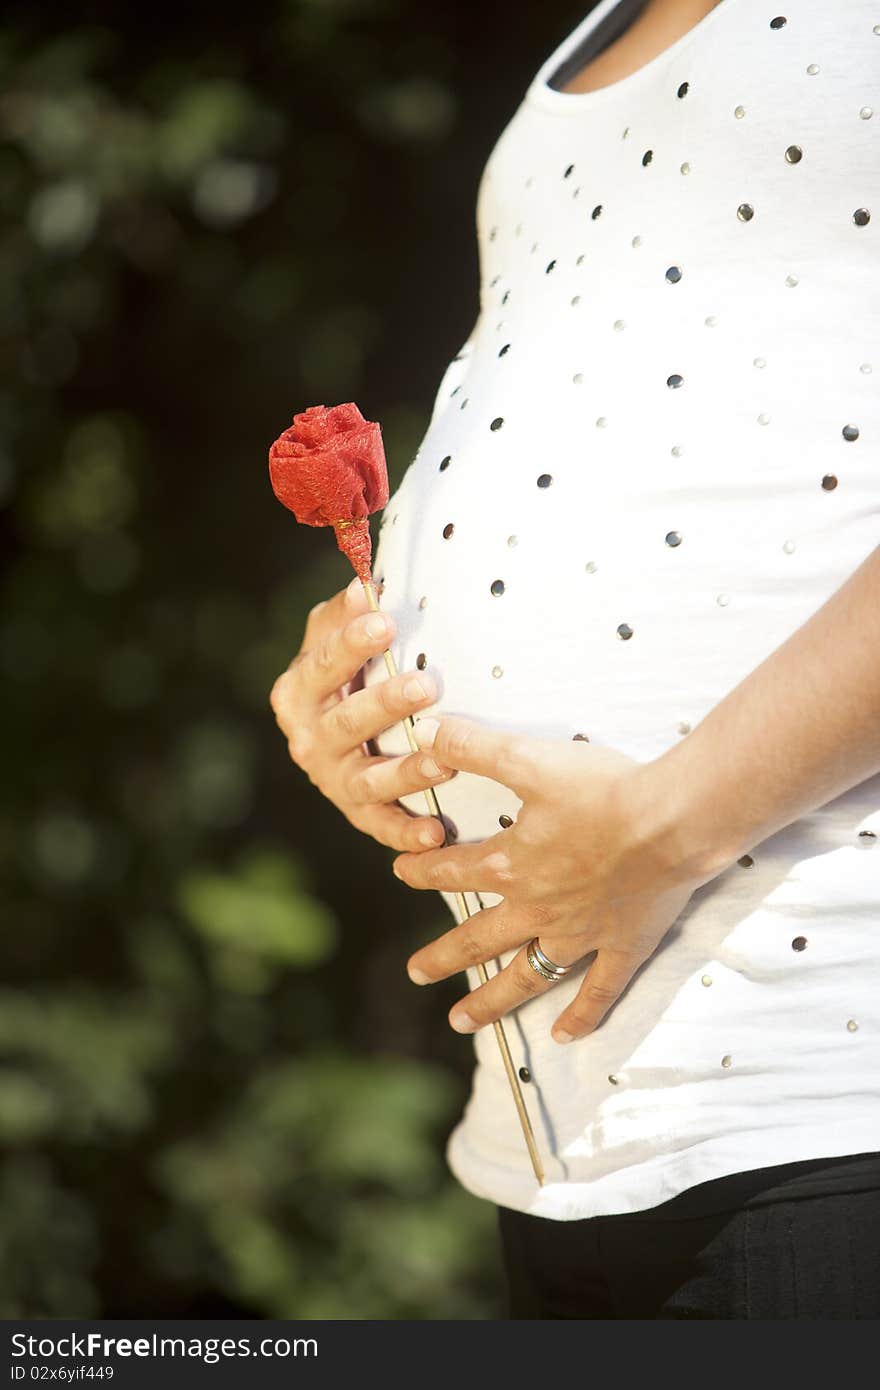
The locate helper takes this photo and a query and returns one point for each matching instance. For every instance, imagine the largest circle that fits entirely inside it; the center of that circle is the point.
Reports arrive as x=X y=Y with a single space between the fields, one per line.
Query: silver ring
x=542 y=964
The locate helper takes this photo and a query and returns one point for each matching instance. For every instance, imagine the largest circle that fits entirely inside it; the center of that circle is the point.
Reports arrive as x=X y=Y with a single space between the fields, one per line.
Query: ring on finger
x=542 y=964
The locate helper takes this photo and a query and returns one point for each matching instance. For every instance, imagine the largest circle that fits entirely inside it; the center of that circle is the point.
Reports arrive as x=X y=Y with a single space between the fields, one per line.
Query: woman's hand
x=589 y=866
x=327 y=716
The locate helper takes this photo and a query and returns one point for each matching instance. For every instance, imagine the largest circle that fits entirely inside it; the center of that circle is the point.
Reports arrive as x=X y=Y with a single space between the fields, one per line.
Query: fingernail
x=417 y=976
x=429 y=768
x=561 y=1036
x=414 y=690
x=431 y=835
x=426 y=732
x=376 y=626
x=395 y=869
x=352 y=589
x=463 y=1023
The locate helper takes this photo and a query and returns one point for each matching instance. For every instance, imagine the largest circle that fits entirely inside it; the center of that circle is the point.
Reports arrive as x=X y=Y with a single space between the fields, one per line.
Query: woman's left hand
x=592 y=863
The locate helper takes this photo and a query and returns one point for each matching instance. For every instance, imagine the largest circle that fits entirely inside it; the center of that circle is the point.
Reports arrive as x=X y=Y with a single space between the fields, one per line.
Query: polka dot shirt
x=656 y=455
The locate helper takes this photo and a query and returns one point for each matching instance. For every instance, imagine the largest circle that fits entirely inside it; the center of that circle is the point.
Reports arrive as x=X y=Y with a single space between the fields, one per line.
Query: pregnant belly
x=531 y=623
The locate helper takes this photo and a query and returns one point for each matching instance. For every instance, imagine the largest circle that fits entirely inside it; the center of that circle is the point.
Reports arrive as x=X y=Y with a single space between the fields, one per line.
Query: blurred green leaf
x=86 y=1059
x=204 y=119
x=262 y=910
x=48 y=1245
x=336 y=1127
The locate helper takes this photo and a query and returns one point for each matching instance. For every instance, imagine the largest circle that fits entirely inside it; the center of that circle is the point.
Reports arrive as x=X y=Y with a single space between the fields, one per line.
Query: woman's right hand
x=327 y=715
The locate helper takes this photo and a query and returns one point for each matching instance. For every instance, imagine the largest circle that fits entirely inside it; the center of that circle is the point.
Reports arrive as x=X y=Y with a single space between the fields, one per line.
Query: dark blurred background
x=219 y=1093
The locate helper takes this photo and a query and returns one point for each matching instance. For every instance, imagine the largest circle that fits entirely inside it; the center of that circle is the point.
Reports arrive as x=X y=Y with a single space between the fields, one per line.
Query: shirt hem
x=642 y=1186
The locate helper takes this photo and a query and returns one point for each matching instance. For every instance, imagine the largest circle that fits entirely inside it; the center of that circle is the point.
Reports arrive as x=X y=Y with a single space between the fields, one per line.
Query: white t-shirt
x=679 y=327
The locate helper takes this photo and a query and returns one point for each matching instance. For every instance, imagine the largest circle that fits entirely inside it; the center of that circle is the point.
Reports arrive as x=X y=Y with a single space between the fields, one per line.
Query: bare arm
x=799 y=730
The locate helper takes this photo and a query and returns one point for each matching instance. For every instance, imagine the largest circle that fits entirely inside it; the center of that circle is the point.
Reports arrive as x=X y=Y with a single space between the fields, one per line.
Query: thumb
x=470 y=747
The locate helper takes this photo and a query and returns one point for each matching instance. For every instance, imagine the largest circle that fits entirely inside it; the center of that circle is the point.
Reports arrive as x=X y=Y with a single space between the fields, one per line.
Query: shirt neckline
x=540 y=93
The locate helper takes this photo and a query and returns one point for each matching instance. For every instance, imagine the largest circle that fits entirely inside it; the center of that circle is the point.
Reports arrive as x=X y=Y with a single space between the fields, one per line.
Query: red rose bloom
x=329 y=469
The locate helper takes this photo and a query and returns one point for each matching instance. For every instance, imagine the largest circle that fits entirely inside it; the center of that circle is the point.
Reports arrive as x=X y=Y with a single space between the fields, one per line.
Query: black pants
x=800 y=1240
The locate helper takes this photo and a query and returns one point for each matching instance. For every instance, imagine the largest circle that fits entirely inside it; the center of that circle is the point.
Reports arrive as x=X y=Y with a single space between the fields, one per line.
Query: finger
x=479 y=938
x=603 y=985
x=334 y=659
x=332 y=613
x=506 y=990
x=364 y=714
x=484 y=867
x=461 y=743
x=395 y=827
x=384 y=779
x=323 y=618
x=339 y=654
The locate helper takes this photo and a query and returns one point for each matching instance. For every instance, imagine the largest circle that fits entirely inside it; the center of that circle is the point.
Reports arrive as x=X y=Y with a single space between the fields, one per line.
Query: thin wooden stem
x=501 y=1037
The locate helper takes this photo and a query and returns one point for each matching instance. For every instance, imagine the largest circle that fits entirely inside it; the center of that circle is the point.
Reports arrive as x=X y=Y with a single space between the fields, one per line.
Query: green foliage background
x=219 y=1093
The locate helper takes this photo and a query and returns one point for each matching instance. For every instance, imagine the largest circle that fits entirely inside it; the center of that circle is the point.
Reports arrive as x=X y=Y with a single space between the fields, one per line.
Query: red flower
x=329 y=469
